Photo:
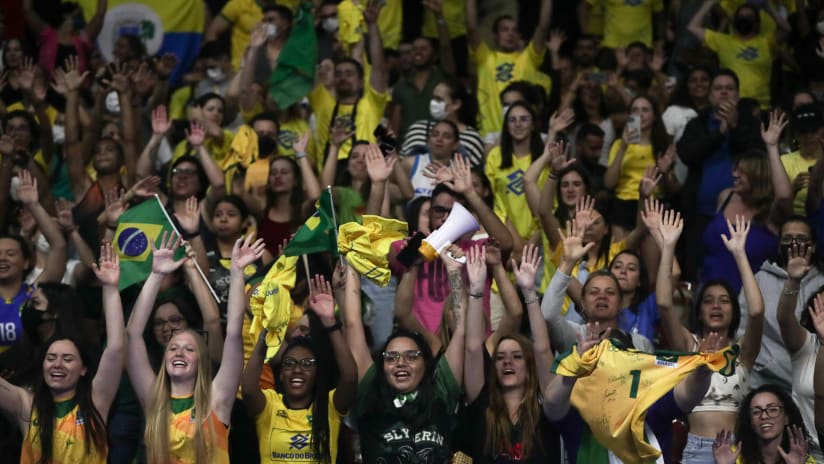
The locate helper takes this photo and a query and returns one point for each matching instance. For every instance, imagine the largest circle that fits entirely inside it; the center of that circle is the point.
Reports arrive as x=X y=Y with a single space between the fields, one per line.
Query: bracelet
x=300 y=155
x=333 y=328
x=529 y=302
x=189 y=236
x=476 y=295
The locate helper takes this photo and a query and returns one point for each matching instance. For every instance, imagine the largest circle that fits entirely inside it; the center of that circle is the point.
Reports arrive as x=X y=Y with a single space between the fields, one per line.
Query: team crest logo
x=298 y=441
x=131 y=19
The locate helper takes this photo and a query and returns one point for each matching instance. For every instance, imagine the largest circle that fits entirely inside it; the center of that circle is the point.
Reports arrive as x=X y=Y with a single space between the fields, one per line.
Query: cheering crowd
x=227 y=257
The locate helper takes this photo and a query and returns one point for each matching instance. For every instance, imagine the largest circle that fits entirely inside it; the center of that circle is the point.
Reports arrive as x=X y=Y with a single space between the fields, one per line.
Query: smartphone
x=598 y=77
x=634 y=129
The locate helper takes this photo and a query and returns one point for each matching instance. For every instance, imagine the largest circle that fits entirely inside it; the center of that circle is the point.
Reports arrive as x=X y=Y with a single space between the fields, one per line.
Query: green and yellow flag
x=139 y=224
x=318 y=233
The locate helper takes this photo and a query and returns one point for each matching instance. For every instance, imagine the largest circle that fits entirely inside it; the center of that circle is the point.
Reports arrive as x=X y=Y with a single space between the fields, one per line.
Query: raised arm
x=189 y=220
x=160 y=127
x=472 y=32
x=646 y=187
x=817 y=316
x=95 y=24
x=404 y=300
x=669 y=230
x=138 y=366
x=353 y=324
x=546 y=201
x=446 y=57
x=209 y=310
x=227 y=379
x=107 y=380
x=815 y=192
x=695 y=25
x=56 y=258
x=542 y=30
x=510 y=321
x=782 y=204
x=323 y=305
x=557 y=394
x=525 y=277
x=250 y=390
x=379 y=170
x=16 y=403
x=751 y=340
x=475 y=328
x=378 y=76
x=33 y=21
x=462 y=183
x=122 y=84
x=74 y=145
x=454 y=353
x=196 y=136
x=798 y=264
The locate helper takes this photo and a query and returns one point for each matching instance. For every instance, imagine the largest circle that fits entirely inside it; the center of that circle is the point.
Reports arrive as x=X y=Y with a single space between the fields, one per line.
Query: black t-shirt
x=471 y=437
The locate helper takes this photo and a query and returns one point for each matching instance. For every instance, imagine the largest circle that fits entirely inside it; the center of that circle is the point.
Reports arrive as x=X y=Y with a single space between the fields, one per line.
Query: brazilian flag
x=318 y=233
x=135 y=228
x=294 y=75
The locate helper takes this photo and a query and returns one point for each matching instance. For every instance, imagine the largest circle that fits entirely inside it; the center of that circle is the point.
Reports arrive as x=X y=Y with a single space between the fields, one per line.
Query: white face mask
x=215 y=74
x=58 y=134
x=330 y=24
x=112 y=102
x=819 y=26
x=15 y=184
x=437 y=109
x=271 y=30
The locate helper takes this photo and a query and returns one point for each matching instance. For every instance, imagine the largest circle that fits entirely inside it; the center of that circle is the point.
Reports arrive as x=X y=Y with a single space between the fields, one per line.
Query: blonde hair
x=156 y=436
x=756 y=167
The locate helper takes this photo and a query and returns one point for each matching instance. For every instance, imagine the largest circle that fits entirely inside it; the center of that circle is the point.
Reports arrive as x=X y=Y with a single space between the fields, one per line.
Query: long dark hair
x=320 y=396
x=606 y=241
x=468 y=112
x=94 y=430
x=745 y=432
x=736 y=308
x=343 y=177
x=536 y=144
x=659 y=138
x=416 y=413
x=295 y=197
x=681 y=95
x=563 y=213
x=642 y=291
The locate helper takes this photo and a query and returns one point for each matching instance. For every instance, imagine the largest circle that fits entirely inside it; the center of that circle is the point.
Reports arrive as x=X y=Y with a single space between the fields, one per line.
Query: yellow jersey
x=628 y=21
x=636 y=159
x=218 y=149
x=182 y=434
x=508 y=190
x=244 y=16
x=352 y=26
x=496 y=70
x=454 y=13
x=796 y=164
x=68 y=441
x=751 y=60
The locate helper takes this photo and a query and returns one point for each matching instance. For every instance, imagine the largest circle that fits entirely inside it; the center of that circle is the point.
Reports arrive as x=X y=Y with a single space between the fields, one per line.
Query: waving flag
x=318 y=233
x=294 y=75
x=135 y=228
x=163 y=27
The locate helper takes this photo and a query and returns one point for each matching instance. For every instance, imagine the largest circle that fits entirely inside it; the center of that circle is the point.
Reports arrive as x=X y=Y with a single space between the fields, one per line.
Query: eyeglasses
x=440 y=210
x=800 y=239
x=306 y=363
x=392 y=357
x=772 y=411
x=184 y=172
x=524 y=119
x=174 y=322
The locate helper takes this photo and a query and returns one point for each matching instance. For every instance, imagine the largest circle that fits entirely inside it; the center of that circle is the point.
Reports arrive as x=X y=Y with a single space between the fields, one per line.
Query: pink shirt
x=48 y=49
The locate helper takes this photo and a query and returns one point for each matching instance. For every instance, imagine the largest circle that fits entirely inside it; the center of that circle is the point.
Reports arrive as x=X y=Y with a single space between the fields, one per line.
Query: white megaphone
x=460 y=222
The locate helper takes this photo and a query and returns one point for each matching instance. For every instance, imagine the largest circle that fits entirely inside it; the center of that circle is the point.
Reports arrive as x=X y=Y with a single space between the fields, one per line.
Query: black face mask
x=745 y=25
x=32 y=318
x=267 y=146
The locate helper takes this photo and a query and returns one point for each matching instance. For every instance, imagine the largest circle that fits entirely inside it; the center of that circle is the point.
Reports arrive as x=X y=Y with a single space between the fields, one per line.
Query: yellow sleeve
x=714 y=40
x=480 y=54
x=232 y=11
x=350 y=22
x=534 y=57
x=657 y=6
x=613 y=151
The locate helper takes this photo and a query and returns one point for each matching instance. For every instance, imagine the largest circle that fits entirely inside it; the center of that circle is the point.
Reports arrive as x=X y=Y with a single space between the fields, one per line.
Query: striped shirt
x=471 y=146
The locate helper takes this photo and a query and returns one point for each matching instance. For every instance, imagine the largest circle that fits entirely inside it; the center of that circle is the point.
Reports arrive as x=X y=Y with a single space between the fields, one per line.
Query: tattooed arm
x=460 y=298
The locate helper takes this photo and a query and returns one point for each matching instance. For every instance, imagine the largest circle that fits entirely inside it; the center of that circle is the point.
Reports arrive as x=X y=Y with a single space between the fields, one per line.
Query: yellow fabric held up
x=367 y=246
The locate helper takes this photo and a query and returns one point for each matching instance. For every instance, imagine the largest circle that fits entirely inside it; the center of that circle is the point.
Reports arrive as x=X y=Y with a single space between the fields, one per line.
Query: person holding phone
x=644 y=143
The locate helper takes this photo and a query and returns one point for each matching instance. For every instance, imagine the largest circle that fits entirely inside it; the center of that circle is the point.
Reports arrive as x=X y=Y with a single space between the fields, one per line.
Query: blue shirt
x=11 y=325
x=716 y=173
x=643 y=320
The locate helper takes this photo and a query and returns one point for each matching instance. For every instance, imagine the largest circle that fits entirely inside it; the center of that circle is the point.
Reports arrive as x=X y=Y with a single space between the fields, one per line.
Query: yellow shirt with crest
x=628 y=21
x=508 y=191
x=751 y=60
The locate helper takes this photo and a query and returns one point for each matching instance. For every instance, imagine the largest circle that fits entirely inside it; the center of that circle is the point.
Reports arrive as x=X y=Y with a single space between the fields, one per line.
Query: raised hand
x=165 y=65
x=559 y=161
x=584 y=212
x=574 y=248
x=160 y=120
x=27 y=191
x=798 y=446
x=377 y=167
x=339 y=134
x=163 y=257
x=772 y=134
x=651 y=215
x=72 y=77
x=113 y=199
x=670 y=226
x=26 y=74
x=798 y=261
x=526 y=272
x=120 y=81
x=108 y=269
x=258 y=36
x=321 y=300
x=476 y=269
x=453 y=258
x=196 y=134
x=245 y=252
x=438 y=171
x=591 y=337
x=65 y=217
x=817 y=314
x=461 y=175
x=557 y=37
x=649 y=181
x=712 y=343
x=738 y=235
x=722 y=448
x=370 y=13
x=189 y=219
x=302 y=142
x=559 y=122
x=493 y=253
x=146 y=186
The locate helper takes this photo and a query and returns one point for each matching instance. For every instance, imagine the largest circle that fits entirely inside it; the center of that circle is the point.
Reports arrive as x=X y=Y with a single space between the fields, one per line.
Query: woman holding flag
x=186 y=411
x=64 y=418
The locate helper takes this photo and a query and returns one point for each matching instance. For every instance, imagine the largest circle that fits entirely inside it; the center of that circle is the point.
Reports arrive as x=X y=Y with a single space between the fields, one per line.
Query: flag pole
x=334 y=221
x=197 y=266
x=305 y=259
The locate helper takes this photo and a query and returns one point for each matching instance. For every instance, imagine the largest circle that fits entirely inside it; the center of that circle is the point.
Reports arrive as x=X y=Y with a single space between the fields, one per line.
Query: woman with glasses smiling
x=407 y=397
x=306 y=402
x=770 y=429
